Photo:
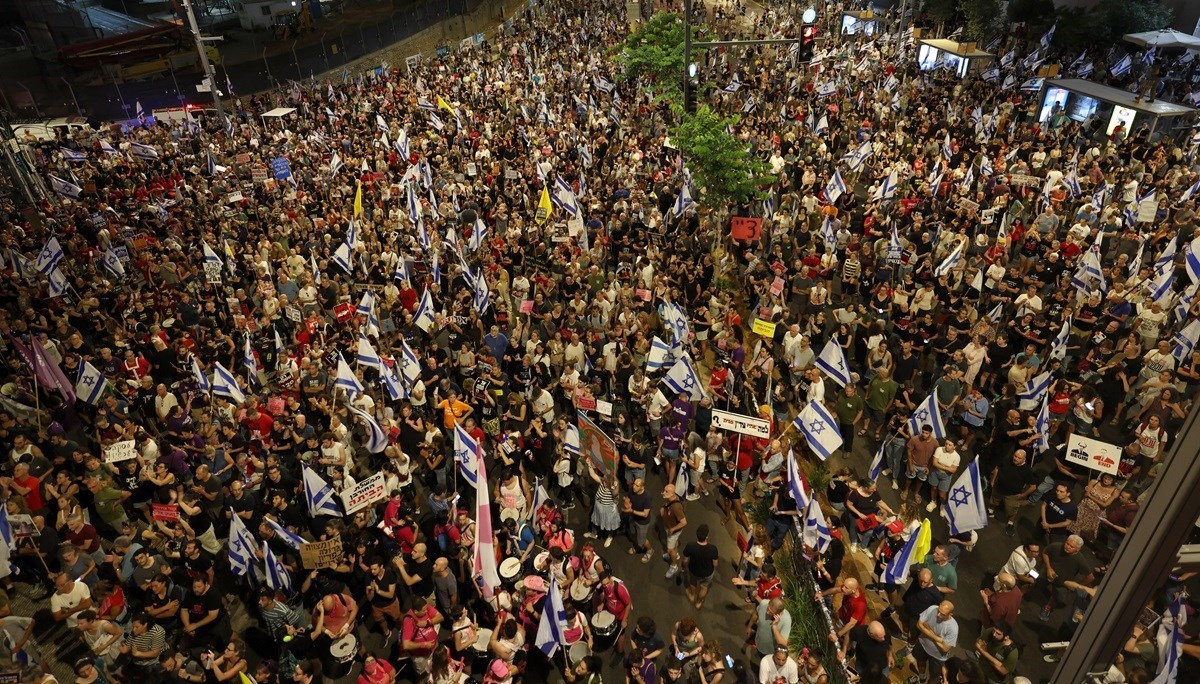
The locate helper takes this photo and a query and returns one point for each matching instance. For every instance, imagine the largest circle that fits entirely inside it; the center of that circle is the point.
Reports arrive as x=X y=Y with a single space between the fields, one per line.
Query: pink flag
x=485 y=551
x=44 y=369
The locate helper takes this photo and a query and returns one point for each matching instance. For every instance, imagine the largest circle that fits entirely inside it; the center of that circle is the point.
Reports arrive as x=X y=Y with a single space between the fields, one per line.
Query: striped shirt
x=153 y=639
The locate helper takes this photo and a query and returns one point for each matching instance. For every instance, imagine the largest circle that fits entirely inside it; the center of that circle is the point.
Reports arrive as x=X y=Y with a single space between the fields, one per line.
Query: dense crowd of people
x=367 y=329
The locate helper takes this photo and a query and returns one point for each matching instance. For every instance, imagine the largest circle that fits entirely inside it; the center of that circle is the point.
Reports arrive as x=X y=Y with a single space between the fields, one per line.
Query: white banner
x=120 y=451
x=746 y=425
x=364 y=493
x=1093 y=454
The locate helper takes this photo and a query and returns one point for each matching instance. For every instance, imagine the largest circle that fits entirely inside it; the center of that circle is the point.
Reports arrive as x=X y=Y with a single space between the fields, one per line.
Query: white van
x=50 y=129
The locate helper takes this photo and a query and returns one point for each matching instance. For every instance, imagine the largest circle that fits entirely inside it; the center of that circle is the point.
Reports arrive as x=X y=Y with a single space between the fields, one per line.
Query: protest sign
x=364 y=494
x=120 y=451
x=168 y=511
x=764 y=328
x=322 y=554
x=1093 y=453
x=745 y=425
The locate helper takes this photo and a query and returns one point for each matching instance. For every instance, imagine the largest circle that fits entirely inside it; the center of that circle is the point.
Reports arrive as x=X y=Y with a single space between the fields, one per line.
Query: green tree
x=1114 y=18
x=983 y=18
x=655 y=51
x=1035 y=12
x=941 y=11
x=720 y=163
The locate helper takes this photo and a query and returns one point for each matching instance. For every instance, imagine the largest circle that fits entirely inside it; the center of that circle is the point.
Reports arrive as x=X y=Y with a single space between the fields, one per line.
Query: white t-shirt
x=770 y=673
x=1019 y=564
x=78 y=594
x=946 y=458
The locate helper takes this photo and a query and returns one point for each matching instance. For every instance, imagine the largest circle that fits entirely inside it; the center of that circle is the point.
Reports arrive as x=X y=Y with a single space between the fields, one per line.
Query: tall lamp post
x=208 y=70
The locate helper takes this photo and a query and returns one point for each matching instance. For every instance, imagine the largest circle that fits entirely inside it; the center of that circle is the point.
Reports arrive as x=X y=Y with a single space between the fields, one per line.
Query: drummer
x=614 y=597
x=577 y=628
x=531 y=591
x=562 y=567
x=590 y=566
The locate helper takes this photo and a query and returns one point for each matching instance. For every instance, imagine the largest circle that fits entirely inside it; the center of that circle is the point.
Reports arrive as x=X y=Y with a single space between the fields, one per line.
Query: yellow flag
x=442 y=104
x=544 y=207
x=358 y=210
x=924 y=542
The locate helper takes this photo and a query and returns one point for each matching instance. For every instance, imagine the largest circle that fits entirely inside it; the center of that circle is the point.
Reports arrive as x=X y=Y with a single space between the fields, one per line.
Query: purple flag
x=47 y=372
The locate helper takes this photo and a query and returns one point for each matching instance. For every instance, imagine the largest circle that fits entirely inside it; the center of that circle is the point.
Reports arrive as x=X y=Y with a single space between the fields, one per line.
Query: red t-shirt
x=853 y=608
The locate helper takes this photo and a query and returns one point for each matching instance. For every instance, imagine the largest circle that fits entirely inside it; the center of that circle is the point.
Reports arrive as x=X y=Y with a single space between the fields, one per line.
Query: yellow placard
x=764 y=328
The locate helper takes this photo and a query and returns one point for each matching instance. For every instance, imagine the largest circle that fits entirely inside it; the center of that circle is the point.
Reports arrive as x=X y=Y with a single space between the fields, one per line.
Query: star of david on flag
x=965 y=507
x=819 y=429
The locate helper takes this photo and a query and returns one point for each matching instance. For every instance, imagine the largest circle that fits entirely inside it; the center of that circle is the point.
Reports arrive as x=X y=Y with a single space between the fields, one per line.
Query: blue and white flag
x=856 y=158
x=1190 y=192
x=991 y=75
x=1148 y=56
x=887 y=188
x=143 y=151
x=683 y=379
x=366 y=304
x=1160 y=286
x=832 y=360
x=835 y=187
x=107 y=148
x=250 y=361
x=996 y=312
x=827 y=235
x=318 y=495
x=72 y=155
x=366 y=355
x=50 y=257
x=57 y=283
x=224 y=384
x=341 y=257
x=822 y=126
x=202 y=380
x=241 y=546
x=659 y=356
x=479 y=233
x=815 y=532
x=1184 y=305
x=950 y=262
x=796 y=484
x=1058 y=346
x=211 y=257
x=392 y=384
x=466 y=454
x=682 y=201
x=826 y=89
x=571 y=442
x=316 y=271
x=1168 y=253
x=377 y=439
x=1031 y=393
x=1191 y=260
x=876 y=468
x=928 y=413
x=423 y=316
x=551 y=633
x=6 y=533
x=289 y=537
x=1122 y=67
x=965 y=506
x=276 y=577
x=410 y=367
x=1041 y=424
x=335 y=163
x=346 y=380
x=820 y=429
x=1168 y=662
x=896 y=570
x=89 y=383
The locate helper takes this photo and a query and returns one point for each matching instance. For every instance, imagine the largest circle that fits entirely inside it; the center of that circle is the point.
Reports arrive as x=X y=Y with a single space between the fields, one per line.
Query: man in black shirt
x=417 y=571
x=1012 y=482
x=204 y=619
x=872 y=650
x=921 y=594
x=701 y=559
x=637 y=507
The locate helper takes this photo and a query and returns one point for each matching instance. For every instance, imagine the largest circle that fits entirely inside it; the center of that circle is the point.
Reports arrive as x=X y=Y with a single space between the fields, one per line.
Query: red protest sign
x=745 y=228
x=168 y=512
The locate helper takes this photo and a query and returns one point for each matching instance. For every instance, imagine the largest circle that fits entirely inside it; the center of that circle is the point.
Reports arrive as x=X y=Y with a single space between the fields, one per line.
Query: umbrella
x=1166 y=38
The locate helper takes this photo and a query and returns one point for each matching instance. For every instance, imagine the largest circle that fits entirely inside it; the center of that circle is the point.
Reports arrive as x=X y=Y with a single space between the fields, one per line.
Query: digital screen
x=1075 y=106
x=1121 y=115
x=852 y=25
x=929 y=57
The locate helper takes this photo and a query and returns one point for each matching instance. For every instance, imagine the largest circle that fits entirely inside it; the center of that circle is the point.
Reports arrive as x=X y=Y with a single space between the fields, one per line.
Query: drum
x=581 y=597
x=479 y=651
x=577 y=652
x=604 y=630
x=509 y=569
x=507 y=514
x=344 y=651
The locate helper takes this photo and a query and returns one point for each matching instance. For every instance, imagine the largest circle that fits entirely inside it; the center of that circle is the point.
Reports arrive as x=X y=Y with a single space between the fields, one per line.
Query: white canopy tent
x=1165 y=38
x=278 y=113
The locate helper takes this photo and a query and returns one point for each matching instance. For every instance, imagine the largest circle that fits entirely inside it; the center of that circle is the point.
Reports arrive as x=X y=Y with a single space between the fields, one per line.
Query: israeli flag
x=89 y=383
x=377 y=439
x=224 y=384
x=1184 y=305
x=318 y=495
x=826 y=89
x=796 y=484
x=1148 y=57
x=366 y=304
x=887 y=188
x=49 y=257
x=1008 y=59
x=366 y=354
x=985 y=167
x=481 y=298
x=1058 y=346
x=1160 y=287
x=816 y=532
x=335 y=163
x=822 y=126
x=571 y=441
x=820 y=429
x=947 y=147
x=876 y=468
x=1122 y=67
x=107 y=148
x=832 y=360
x=1042 y=425
x=733 y=85
x=950 y=262
x=392 y=384
x=143 y=151
x=659 y=356
x=276 y=576
x=72 y=155
x=201 y=379
x=991 y=75
x=414 y=211
x=341 y=257
x=251 y=362
x=835 y=187
x=1085 y=70
x=346 y=379
x=210 y=257
x=749 y=107
x=683 y=379
x=860 y=155
x=827 y=235
x=1168 y=666
x=410 y=368
x=896 y=570
x=682 y=201
x=996 y=312
x=677 y=322
x=316 y=271
x=241 y=546
x=65 y=188
x=289 y=537
x=551 y=633
x=423 y=317
x=1191 y=260
x=928 y=413
x=479 y=232
x=1030 y=395
x=1185 y=340
x=965 y=507
x=466 y=454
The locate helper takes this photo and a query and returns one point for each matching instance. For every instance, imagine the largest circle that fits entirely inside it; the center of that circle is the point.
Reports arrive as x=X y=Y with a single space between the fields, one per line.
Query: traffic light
x=689 y=96
x=808 y=39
